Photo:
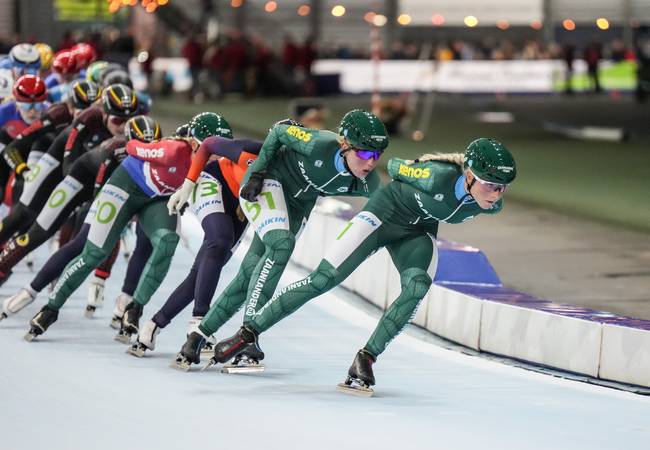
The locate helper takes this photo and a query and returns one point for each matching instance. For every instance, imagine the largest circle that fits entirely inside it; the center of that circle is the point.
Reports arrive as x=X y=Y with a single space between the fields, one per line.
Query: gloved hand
x=177 y=201
x=253 y=187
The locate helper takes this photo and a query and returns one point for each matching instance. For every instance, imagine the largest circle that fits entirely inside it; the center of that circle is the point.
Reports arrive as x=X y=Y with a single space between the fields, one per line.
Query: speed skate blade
x=238 y=368
x=123 y=338
x=89 y=312
x=136 y=351
x=3 y=316
x=209 y=364
x=180 y=363
x=29 y=337
x=359 y=391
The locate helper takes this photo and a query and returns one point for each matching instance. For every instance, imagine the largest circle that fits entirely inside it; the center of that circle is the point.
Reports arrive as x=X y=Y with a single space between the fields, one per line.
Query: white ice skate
x=210 y=341
x=17 y=301
x=146 y=339
x=95 y=296
x=118 y=311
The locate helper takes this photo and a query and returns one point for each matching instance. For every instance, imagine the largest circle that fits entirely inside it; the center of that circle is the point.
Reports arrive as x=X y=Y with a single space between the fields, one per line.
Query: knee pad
x=281 y=243
x=324 y=277
x=416 y=282
x=164 y=242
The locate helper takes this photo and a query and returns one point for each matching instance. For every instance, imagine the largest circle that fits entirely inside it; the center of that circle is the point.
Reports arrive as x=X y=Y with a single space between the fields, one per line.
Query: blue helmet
x=25 y=59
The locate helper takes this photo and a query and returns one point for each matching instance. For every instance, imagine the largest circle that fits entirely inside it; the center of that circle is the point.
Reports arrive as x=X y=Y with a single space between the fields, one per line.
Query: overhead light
x=338 y=11
x=503 y=24
x=471 y=21
x=536 y=25
x=569 y=24
x=304 y=10
x=437 y=19
x=404 y=19
x=379 y=20
x=270 y=6
x=236 y=3
x=602 y=23
x=369 y=16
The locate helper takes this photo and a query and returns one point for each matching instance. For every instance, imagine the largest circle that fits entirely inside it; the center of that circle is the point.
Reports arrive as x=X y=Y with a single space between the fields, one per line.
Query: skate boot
x=360 y=376
x=190 y=352
x=244 y=351
x=146 y=339
x=41 y=322
x=95 y=296
x=17 y=301
x=210 y=341
x=121 y=302
x=130 y=322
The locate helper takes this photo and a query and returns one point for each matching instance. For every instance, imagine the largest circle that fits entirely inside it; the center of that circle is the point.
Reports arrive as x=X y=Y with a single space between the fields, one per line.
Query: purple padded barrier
x=505 y=295
x=458 y=263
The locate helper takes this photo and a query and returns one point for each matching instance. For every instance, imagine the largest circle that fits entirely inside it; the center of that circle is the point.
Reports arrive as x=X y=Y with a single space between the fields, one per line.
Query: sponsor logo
x=270 y=221
x=150 y=152
x=439 y=197
x=342 y=189
x=421 y=205
x=506 y=169
x=259 y=284
x=22 y=240
x=413 y=172
x=370 y=219
x=318 y=163
x=298 y=133
x=291 y=287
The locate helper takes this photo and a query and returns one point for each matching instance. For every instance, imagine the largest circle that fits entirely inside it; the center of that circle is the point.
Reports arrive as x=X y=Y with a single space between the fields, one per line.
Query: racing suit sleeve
x=298 y=139
x=232 y=149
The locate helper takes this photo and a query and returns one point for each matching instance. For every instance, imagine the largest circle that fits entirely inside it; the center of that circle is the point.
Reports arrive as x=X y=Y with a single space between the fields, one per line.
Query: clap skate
x=146 y=339
x=360 y=376
x=190 y=352
x=244 y=350
x=41 y=322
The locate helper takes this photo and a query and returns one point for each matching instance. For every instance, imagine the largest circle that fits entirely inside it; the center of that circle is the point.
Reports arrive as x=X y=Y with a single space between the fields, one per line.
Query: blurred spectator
x=592 y=57
x=643 y=70
x=568 y=55
x=236 y=61
x=67 y=41
x=192 y=51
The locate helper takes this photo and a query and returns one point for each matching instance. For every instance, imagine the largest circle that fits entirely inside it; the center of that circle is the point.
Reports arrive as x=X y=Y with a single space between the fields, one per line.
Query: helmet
x=489 y=160
x=30 y=89
x=142 y=128
x=83 y=93
x=25 y=58
x=83 y=54
x=94 y=70
x=64 y=62
x=208 y=124
x=363 y=129
x=117 y=77
x=110 y=67
x=182 y=131
x=47 y=55
x=119 y=100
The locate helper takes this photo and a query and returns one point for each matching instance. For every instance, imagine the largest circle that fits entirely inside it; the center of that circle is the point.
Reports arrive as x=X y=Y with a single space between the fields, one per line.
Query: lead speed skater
x=402 y=216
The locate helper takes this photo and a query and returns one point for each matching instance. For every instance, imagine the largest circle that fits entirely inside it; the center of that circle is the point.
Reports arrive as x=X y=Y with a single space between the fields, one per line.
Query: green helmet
x=182 y=131
x=208 y=124
x=94 y=70
x=489 y=160
x=364 y=130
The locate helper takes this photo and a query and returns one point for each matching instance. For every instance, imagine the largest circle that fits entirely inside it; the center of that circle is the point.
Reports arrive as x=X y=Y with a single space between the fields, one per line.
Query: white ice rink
x=76 y=389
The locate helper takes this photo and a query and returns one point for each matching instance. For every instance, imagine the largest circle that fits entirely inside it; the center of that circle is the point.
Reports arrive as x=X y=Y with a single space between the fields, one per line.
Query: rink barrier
x=467 y=304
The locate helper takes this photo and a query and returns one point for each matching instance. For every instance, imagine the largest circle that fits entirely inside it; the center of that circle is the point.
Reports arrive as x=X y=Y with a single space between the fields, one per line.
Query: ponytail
x=454 y=158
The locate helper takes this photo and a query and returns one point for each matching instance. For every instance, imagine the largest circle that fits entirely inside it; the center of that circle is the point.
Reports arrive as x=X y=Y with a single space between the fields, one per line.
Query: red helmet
x=83 y=55
x=64 y=62
x=30 y=89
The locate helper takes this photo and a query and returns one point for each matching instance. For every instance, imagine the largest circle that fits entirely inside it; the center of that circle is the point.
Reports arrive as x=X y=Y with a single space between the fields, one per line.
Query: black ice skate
x=244 y=350
x=130 y=322
x=190 y=352
x=2 y=316
x=360 y=376
x=41 y=322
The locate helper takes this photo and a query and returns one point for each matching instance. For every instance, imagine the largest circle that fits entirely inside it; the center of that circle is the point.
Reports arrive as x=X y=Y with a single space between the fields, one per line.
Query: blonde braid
x=455 y=158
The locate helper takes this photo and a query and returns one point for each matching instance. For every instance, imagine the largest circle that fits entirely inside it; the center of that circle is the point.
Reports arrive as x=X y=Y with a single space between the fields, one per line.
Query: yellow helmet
x=47 y=55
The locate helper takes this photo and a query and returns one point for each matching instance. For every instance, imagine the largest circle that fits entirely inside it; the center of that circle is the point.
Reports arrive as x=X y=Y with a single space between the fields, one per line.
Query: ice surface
x=76 y=388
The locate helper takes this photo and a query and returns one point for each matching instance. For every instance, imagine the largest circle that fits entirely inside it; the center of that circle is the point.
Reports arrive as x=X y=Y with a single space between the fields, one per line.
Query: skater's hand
x=22 y=170
x=253 y=187
x=178 y=200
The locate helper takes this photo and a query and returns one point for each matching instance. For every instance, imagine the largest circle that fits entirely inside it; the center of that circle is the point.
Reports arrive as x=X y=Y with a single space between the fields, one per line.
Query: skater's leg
x=138 y=260
x=111 y=211
x=53 y=266
x=234 y=296
x=203 y=278
x=16 y=222
x=416 y=259
x=160 y=228
x=350 y=247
